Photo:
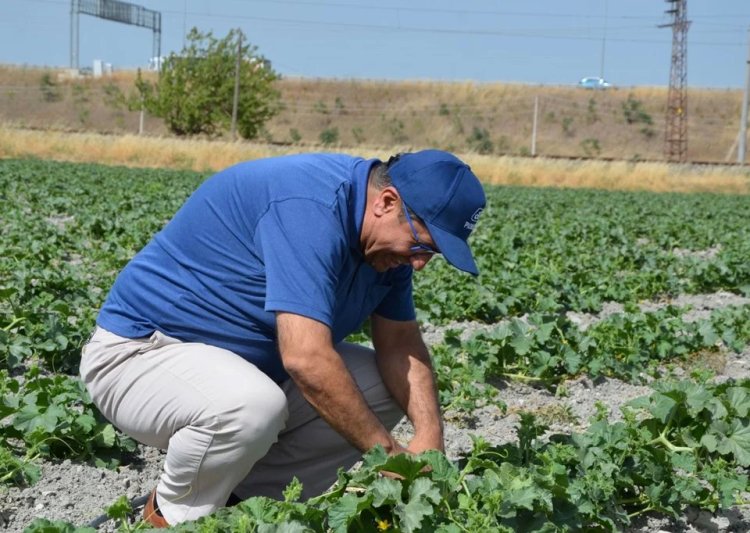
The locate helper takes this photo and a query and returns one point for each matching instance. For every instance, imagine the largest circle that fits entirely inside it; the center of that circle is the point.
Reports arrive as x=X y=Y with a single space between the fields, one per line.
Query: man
x=221 y=340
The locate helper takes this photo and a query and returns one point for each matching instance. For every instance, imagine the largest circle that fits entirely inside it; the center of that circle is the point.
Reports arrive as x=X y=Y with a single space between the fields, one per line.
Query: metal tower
x=675 y=146
x=117 y=11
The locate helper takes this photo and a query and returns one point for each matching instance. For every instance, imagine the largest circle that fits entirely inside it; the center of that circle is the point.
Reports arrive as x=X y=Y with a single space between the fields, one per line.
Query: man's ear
x=387 y=201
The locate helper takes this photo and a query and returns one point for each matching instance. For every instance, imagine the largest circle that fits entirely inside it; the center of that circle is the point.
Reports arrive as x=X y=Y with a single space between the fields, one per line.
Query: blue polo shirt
x=279 y=234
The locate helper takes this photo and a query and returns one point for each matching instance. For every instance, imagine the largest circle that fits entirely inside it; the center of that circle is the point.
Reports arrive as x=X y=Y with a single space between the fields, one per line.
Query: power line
x=537 y=33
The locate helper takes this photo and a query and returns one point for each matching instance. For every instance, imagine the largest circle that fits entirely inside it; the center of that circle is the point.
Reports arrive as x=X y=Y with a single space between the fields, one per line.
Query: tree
x=195 y=89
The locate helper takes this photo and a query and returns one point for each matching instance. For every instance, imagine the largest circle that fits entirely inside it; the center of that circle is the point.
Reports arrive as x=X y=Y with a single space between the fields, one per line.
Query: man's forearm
x=331 y=390
x=409 y=377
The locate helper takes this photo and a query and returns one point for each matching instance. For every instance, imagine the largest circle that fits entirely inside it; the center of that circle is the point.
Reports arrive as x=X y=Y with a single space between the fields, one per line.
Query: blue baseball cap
x=446 y=195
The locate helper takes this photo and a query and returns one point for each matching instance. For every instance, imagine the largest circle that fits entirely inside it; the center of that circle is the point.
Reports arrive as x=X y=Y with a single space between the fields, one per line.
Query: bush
x=480 y=142
x=50 y=89
x=567 y=126
x=591 y=147
x=329 y=136
x=195 y=91
x=634 y=113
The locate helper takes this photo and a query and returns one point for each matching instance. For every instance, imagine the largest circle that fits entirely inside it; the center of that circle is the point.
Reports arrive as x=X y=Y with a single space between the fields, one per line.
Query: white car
x=594 y=83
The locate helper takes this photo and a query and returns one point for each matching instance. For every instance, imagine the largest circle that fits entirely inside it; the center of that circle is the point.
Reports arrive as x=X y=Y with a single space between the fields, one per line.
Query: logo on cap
x=473 y=220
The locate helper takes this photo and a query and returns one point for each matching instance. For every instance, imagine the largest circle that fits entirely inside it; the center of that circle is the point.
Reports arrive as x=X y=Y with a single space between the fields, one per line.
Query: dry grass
x=411 y=115
x=128 y=150
x=209 y=156
x=620 y=175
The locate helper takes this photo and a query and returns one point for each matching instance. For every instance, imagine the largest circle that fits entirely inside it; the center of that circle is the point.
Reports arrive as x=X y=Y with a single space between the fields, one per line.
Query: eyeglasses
x=420 y=247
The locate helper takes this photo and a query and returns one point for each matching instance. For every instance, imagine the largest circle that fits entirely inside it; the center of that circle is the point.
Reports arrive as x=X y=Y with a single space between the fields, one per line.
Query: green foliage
x=479 y=141
x=195 y=91
x=329 y=136
x=591 y=147
x=81 y=97
x=49 y=88
x=113 y=96
x=395 y=127
x=320 y=107
x=295 y=135
x=54 y=417
x=683 y=445
x=546 y=349
x=63 y=241
x=547 y=250
x=339 y=105
x=634 y=113
x=42 y=525
x=567 y=126
x=68 y=229
x=592 y=115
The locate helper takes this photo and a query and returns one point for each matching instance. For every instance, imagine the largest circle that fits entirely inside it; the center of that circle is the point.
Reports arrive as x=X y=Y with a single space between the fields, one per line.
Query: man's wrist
x=423 y=442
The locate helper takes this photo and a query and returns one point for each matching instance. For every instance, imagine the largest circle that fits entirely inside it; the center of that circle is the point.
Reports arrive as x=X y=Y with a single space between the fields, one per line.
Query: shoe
x=151 y=513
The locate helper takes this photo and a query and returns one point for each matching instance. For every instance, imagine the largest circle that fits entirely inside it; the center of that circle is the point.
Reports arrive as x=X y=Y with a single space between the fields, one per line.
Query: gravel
x=79 y=493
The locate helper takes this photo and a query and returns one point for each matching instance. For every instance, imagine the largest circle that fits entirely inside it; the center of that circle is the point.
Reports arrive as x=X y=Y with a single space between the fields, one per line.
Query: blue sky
x=533 y=41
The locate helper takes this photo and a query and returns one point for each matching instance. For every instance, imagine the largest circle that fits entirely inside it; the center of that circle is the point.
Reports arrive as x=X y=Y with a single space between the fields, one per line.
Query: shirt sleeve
x=302 y=243
x=398 y=304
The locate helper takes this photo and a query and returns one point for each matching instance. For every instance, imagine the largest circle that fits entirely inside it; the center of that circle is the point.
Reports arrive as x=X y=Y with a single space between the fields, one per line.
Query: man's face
x=397 y=238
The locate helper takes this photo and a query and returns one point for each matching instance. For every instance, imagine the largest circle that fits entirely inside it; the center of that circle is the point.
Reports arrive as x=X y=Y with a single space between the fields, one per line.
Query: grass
x=211 y=155
x=465 y=117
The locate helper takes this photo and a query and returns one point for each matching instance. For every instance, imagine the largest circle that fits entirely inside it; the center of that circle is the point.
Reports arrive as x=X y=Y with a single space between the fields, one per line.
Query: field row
x=68 y=229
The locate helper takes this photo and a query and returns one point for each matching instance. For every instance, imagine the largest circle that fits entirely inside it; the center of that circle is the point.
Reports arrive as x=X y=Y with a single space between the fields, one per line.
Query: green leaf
x=661 y=406
x=734 y=439
x=738 y=400
x=345 y=510
x=422 y=496
x=42 y=525
x=293 y=491
x=406 y=465
x=385 y=491
x=120 y=509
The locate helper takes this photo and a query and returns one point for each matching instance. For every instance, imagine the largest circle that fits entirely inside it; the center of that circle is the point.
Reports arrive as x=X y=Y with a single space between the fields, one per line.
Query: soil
x=79 y=493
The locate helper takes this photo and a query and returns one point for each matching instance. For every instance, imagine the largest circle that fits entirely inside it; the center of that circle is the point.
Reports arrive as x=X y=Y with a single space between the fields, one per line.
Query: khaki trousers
x=225 y=425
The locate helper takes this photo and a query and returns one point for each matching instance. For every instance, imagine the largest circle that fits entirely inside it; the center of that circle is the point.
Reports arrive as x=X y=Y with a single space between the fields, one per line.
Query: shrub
x=49 y=88
x=195 y=91
x=329 y=136
x=567 y=126
x=633 y=111
x=480 y=142
x=591 y=147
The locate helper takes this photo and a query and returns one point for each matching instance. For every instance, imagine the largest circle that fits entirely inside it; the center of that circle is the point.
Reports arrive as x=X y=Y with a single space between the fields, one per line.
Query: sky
x=550 y=42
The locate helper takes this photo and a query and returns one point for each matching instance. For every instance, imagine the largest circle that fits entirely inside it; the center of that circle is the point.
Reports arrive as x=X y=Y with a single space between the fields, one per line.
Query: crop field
x=576 y=286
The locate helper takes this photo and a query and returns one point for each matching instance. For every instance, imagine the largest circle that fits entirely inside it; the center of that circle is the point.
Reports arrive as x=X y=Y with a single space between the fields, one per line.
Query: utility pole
x=533 y=128
x=75 y=7
x=675 y=138
x=742 y=146
x=236 y=99
x=604 y=42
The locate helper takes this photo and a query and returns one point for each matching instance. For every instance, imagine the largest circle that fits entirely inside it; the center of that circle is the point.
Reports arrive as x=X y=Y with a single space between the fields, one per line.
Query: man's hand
x=317 y=369
x=406 y=368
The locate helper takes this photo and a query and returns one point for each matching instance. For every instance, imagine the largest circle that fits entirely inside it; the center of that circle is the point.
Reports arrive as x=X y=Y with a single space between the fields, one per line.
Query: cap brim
x=455 y=250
